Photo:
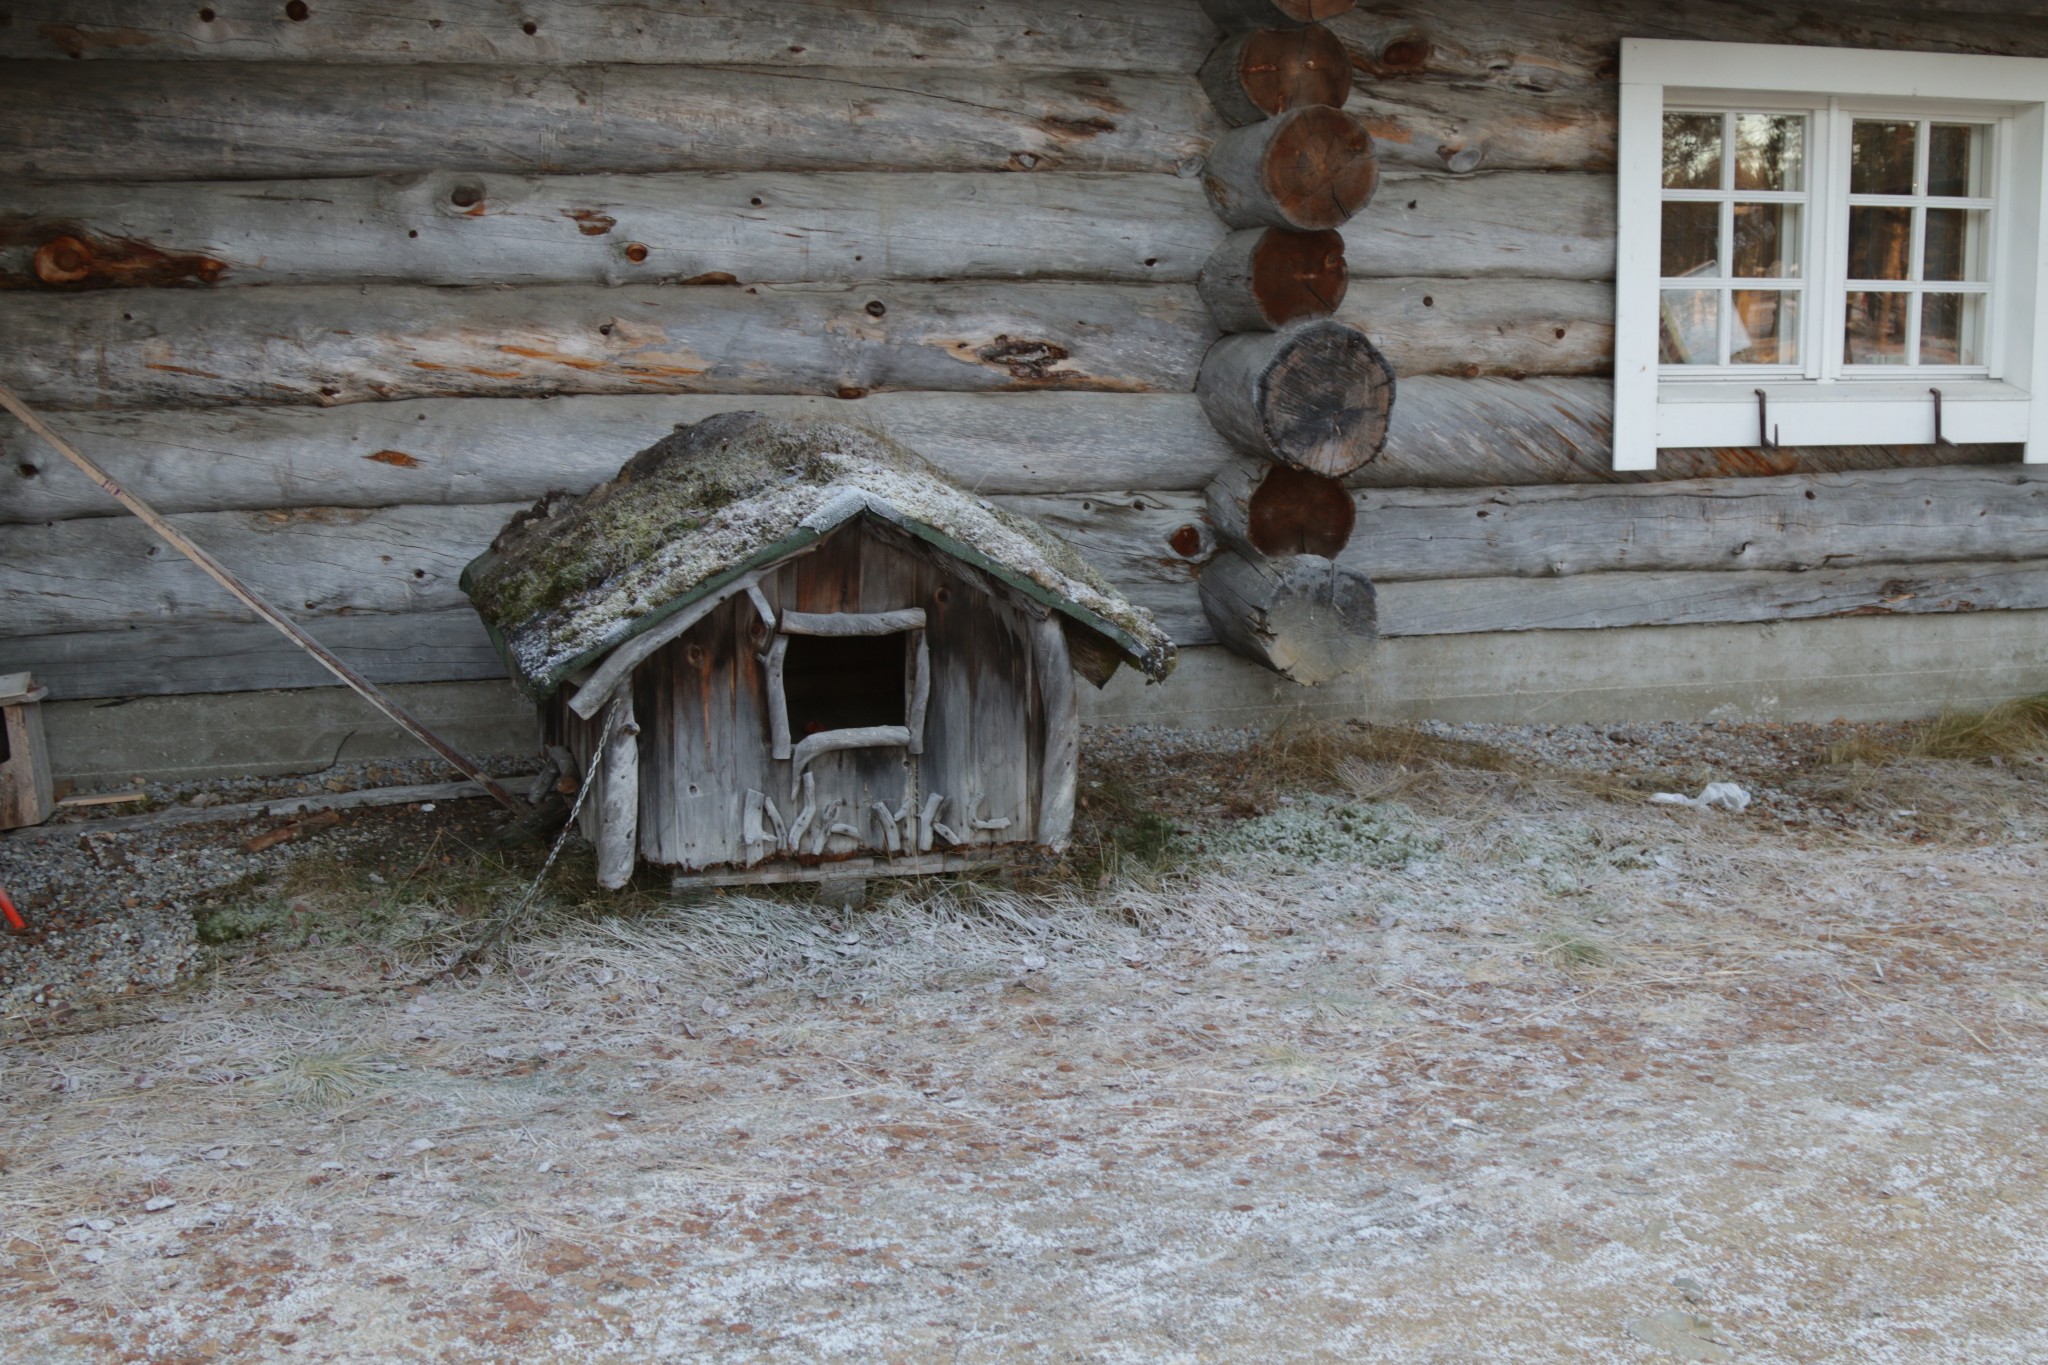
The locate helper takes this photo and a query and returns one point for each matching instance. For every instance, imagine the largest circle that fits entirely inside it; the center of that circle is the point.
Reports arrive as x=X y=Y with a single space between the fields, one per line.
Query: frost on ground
x=1351 y=1050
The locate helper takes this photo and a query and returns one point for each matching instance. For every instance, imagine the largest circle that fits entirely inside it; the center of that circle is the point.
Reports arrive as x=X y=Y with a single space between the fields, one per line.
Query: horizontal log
x=1486 y=327
x=765 y=228
x=1606 y=601
x=1441 y=126
x=325 y=344
x=1795 y=523
x=109 y=573
x=233 y=120
x=164 y=659
x=1533 y=47
x=338 y=345
x=451 y=646
x=1235 y=14
x=1141 y=35
x=1444 y=433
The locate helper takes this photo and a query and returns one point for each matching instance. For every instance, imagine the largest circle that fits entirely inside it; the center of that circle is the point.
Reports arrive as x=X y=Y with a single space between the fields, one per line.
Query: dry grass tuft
x=1320 y=757
x=324 y=1078
x=1571 y=951
x=2009 y=729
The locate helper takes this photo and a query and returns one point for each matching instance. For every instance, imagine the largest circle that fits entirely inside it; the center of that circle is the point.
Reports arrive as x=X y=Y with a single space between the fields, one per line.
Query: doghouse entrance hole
x=843 y=682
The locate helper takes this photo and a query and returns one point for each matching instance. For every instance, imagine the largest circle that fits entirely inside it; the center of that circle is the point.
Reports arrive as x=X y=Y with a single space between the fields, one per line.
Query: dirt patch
x=1429 y=1051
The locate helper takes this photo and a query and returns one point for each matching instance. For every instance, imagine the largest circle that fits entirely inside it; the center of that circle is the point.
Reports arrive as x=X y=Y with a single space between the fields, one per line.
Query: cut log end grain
x=1235 y=14
x=1302 y=616
x=1266 y=278
x=1317 y=396
x=1269 y=71
x=1306 y=169
x=1294 y=512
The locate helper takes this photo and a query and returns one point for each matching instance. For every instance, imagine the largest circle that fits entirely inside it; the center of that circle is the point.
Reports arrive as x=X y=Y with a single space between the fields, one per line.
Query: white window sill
x=1851 y=412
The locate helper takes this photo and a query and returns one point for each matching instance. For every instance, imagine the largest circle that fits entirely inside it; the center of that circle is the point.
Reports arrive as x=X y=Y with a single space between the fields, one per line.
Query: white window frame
x=1824 y=402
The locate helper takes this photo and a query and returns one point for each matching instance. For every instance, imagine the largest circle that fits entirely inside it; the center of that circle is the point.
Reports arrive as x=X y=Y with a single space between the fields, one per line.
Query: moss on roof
x=573 y=578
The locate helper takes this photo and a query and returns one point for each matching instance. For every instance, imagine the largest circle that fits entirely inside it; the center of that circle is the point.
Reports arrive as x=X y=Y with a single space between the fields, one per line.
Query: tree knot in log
x=1024 y=357
x=76 y=260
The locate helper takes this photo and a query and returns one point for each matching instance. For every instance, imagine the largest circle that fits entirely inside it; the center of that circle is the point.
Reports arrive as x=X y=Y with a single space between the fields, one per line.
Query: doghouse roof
x=573 y=578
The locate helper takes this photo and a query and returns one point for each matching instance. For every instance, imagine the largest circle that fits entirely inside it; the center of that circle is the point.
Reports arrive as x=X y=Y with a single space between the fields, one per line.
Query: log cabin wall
x=342 y=285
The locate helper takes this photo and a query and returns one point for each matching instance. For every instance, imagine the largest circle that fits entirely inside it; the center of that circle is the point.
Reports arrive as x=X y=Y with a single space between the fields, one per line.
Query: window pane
x=1767 y=241
x=1876 y=334
x=1692 y=151
x=1955 y=245
x=1881 y=157
x=1692 y=240
x=1766 y=327
x=1880 y=243
x=1950 y=326
x=1691 y=331
x=1770 y=152
x=1956 y=160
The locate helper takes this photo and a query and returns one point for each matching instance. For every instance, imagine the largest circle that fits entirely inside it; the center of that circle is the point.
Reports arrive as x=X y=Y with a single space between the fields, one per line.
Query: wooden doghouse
x=797 y=645
x=26 y=797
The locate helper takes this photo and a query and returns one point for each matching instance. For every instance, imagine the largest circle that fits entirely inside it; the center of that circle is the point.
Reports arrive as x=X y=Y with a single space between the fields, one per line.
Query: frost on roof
x=572 y=578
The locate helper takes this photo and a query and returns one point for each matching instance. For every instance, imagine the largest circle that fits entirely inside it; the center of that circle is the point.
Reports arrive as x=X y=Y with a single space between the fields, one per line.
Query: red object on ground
x=14 y=919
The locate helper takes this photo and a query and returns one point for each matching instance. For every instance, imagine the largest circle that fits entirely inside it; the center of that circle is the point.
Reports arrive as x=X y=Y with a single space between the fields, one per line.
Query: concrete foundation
x=1861 y=668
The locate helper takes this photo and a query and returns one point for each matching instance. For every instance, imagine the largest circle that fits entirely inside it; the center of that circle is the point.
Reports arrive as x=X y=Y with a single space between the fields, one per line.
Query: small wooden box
x=25 y=794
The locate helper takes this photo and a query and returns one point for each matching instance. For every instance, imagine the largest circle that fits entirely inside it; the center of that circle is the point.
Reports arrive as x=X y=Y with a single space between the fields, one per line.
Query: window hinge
x=1766 y=434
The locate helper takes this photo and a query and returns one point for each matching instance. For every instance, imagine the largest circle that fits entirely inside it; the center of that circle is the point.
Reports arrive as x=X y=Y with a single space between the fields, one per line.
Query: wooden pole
x=215 y=570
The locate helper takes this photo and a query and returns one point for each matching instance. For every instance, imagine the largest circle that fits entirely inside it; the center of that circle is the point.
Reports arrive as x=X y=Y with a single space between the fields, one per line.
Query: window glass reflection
x=1692 y=240
x=1955 y=160
x=1955 y=245
x=1950 y=325
x=1690 y=330
x=1770 y=152
x=1766 y=241
x=1880 y=243
x=1876 y=329
x=1881 y=157
x=1692 y=151
x=1765 y=327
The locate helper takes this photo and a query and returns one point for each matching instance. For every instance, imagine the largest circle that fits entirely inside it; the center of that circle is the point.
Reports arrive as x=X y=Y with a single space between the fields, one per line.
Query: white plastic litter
x=1719 y=795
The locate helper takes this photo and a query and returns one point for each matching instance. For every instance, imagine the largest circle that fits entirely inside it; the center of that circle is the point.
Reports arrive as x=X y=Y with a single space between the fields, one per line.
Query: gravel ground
x=1395 y=1046
x=111 y=910
x=1435 y=1046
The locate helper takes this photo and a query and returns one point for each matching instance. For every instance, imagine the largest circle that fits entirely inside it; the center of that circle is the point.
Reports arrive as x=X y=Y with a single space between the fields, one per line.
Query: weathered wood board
x=1140 y=35
x=450 y=645
x=327 y=344
x=109 y=572
x=1444 y=432
x=1547 y=47
x=241 y=120
x=765 y=228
